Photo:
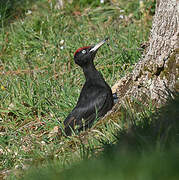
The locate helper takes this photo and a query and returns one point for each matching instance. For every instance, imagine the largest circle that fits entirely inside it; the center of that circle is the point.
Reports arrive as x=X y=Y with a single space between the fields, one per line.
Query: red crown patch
x=78 y=50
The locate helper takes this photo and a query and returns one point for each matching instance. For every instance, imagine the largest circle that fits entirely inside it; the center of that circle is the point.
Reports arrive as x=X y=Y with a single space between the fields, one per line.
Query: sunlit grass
x=146 y=150
x=40 y=82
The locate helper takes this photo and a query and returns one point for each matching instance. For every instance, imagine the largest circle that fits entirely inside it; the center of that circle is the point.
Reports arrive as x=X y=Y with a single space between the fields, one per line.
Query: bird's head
x=85 y=55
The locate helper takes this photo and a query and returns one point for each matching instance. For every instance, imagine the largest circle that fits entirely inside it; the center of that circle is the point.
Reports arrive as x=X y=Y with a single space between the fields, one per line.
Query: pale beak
x=97 y=46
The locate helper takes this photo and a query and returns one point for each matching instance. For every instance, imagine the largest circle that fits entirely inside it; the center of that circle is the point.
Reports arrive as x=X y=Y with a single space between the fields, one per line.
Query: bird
x=96 y=97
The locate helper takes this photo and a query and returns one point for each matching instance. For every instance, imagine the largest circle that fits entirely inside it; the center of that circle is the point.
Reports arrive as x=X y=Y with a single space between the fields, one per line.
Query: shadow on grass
x=159 y=131
x=148 y=150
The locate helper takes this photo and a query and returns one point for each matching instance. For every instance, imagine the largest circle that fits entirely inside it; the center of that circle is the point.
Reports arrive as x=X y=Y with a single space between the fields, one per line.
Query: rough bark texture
x=157 y=72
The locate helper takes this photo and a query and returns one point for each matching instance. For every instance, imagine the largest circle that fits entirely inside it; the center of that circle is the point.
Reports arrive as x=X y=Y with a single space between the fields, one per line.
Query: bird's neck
x=91 y=73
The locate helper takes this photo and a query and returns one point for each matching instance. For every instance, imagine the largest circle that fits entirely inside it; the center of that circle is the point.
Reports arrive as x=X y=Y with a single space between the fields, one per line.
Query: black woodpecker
x=96 y=97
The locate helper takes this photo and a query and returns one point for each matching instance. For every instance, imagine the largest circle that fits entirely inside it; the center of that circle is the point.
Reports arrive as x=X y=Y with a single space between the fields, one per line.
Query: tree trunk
x=157 y=73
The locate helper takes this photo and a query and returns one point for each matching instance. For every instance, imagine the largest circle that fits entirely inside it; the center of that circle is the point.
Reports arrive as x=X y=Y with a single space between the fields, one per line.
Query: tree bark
x=157 y=72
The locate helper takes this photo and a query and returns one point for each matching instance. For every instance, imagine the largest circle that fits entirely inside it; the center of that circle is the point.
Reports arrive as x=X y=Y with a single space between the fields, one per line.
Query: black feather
x=95 y=99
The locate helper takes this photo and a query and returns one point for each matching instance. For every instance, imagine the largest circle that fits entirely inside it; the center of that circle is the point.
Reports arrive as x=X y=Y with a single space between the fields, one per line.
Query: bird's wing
x=87 y=110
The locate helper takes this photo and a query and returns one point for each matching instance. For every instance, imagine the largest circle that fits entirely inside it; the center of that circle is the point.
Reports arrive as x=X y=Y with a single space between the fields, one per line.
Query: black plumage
x=96 y=97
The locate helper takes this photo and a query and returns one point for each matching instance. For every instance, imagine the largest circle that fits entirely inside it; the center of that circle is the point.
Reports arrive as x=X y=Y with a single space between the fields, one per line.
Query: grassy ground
x=148 y=150
x=40 y=84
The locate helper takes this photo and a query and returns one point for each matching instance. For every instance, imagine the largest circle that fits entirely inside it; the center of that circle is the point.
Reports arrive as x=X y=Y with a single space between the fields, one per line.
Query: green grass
x=40 y=84
x=149 y=150
x=149 y=166
x=12 y=10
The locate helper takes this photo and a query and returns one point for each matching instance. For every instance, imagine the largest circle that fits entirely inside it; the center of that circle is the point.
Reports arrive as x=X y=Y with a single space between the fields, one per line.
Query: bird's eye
x=84 y=51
